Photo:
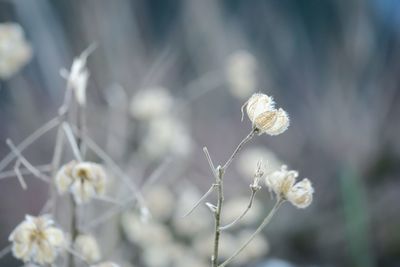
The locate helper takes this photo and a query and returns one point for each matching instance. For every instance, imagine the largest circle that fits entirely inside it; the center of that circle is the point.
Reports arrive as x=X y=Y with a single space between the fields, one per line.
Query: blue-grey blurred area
x=332 y=65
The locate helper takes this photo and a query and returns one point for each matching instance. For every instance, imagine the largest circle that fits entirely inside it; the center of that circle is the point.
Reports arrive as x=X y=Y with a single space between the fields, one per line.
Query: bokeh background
x=333 y=65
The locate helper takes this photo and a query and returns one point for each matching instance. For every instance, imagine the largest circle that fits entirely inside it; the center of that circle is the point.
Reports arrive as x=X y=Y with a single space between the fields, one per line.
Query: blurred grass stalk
x=356 y=218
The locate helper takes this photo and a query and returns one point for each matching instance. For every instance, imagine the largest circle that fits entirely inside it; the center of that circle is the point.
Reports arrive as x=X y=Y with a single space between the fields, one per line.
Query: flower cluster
x=15 y=52
x=264 y=116
x=165 y=133
x=84 y=180
x=283 y=184
x=37 y=239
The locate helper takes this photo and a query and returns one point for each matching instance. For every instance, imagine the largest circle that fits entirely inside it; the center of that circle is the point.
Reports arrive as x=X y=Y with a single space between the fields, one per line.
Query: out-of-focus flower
x=145 y=234
x=233 y=208
x=227 y=245
x=257 y=248
x=160 y=201
x=198 y=222
x=106 y=264
x=167 y=134
x=87 y=247
x=37 y=239
x=282 y=182
x=151 y=103
x=83 y=179
x=15 y=51
x=241 y=68
x=157 y=255
x=264 y=116
x=249 y=158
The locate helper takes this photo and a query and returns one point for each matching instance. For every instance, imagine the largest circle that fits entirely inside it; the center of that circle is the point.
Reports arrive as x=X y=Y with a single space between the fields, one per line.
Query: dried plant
x=266 y=119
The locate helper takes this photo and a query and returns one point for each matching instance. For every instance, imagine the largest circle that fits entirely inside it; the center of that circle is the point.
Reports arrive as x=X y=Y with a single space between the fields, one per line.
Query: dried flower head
x=78 y=76
x=150 y=103
x=264 y=116
x=15 y=52
x=37 y=239
x=241 y=68
x=106 y=264
x=83 y=179
x=87 y=247
x=301 y=194
x=283 y=184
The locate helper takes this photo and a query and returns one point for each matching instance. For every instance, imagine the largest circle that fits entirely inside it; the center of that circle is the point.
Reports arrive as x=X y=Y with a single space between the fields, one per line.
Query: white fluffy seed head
x=37 y=239
x=87 y=247
x=264 y=116
x=301 y=194
x=15 y=51
x=283 y=184
x=281 y=181
x=84 y=180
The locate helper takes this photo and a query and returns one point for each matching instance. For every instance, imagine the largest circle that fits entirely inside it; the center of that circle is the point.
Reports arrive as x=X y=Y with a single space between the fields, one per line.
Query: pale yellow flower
x=87 y=247
x=15 y=51
x=37 y=239
x=84 y=180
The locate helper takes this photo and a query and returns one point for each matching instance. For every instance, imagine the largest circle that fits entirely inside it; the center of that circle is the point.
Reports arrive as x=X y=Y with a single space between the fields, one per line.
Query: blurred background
x=332 y=65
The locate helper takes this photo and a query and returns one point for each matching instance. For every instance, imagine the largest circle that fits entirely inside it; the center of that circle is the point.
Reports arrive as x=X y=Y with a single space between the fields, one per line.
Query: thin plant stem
x=264 y=223
x=20 y=178
x=29 y=140
x=239 y=147
x=217 y=215
x=209 y=191
x=210 y=162
x=5 y=251
x=253 y=194
x=26 y=163
x=72 y=141
x=220 y=171
x=24 y=171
